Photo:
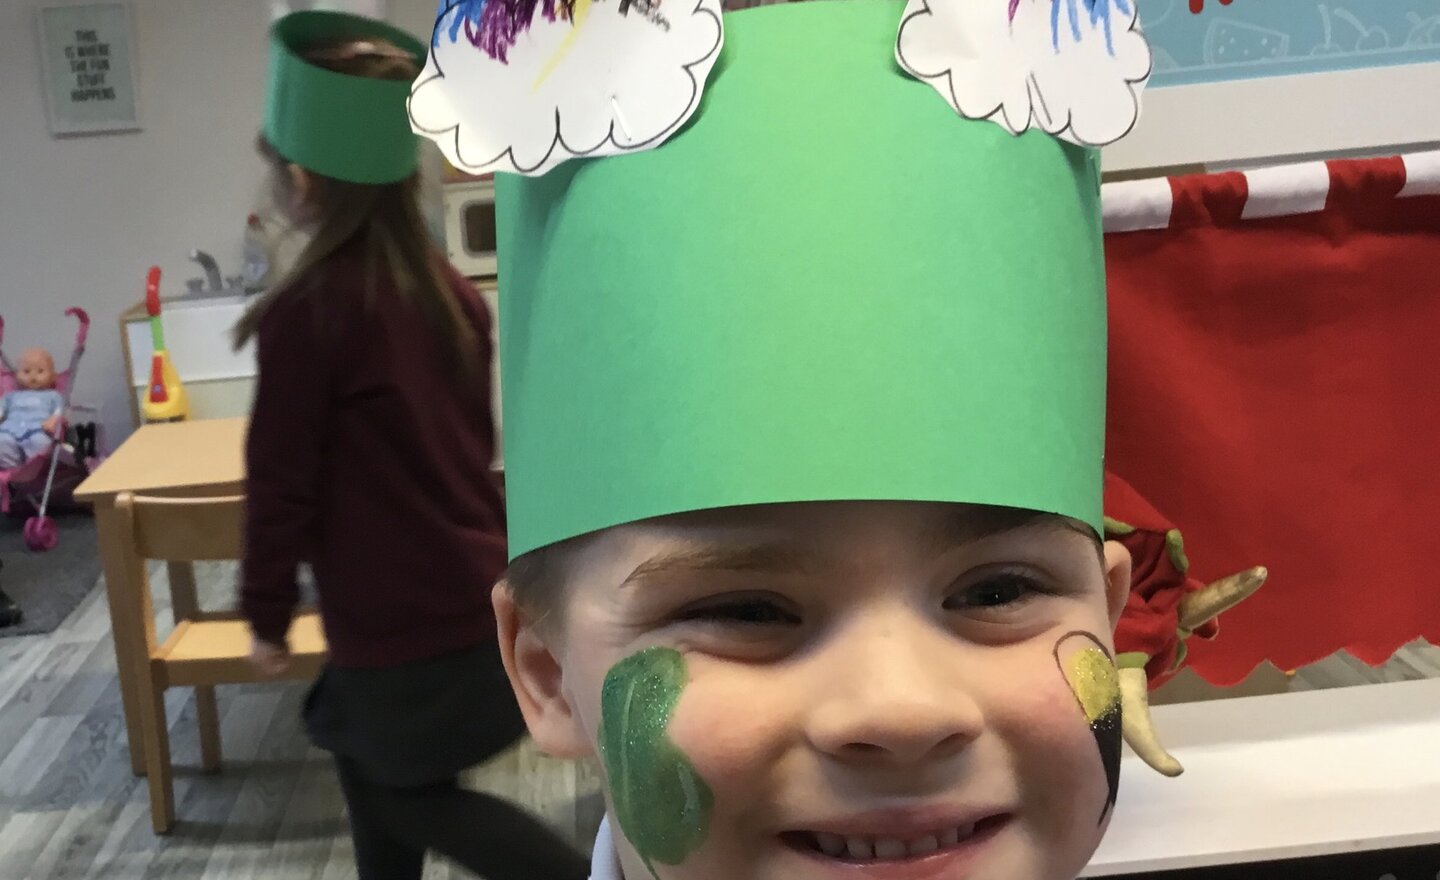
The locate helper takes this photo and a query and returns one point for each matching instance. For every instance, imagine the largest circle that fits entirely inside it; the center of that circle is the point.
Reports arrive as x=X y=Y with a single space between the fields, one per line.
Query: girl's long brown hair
x=387 y=217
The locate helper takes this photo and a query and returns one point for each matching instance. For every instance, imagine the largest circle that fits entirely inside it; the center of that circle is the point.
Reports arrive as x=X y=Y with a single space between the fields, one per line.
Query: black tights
x=393 y=827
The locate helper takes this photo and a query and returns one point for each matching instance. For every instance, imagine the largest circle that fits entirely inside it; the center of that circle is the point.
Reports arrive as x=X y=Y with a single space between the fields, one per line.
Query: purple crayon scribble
x=493 y=26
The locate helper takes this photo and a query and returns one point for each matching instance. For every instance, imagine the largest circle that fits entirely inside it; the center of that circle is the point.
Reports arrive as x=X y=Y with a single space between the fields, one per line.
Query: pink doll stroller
x=48 y=480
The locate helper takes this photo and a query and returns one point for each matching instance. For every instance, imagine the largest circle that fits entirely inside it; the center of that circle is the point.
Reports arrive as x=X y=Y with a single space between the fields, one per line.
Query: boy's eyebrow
x=961 y=530
x=761 y=557
x=774 y=558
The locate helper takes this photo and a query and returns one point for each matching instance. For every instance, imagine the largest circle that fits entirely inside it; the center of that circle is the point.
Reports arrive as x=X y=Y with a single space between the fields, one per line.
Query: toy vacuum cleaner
x=165 y=401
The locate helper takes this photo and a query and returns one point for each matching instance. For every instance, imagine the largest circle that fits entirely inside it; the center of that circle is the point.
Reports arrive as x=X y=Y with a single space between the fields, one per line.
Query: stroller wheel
x=41 y=534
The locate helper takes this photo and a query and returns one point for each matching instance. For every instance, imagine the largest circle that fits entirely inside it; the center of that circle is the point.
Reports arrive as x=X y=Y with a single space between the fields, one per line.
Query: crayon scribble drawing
x=523 y=85
x=492 y=26
x=1073 y=68
x=1098 y=12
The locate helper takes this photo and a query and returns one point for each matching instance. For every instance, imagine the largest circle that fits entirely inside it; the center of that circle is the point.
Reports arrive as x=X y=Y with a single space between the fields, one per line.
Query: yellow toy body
x=165 y=401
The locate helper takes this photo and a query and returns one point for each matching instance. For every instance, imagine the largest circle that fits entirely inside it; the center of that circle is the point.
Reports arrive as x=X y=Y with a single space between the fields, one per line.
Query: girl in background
x=368 y=458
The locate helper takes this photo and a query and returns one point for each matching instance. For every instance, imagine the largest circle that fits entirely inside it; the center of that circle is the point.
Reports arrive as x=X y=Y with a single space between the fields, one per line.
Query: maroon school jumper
x=367 y=460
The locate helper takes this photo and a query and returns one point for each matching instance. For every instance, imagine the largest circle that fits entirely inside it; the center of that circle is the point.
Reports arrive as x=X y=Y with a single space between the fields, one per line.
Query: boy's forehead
x=830 y=526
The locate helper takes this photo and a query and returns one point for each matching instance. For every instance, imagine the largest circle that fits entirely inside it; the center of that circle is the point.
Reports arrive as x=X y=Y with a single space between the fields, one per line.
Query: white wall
x=83 y=218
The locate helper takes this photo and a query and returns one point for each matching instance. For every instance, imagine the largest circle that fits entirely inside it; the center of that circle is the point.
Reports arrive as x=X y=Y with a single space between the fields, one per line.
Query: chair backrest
x=185 y=529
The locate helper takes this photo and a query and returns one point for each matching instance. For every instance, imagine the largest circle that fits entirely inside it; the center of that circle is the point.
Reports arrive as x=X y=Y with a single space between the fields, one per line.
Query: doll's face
x=859 y=689
x=36 y=370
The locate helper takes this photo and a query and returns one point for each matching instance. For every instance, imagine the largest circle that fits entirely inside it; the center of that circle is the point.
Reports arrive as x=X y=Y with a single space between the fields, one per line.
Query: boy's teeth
x=924 y=845
x=859 y=848
x=866 y=848
x=831 y=844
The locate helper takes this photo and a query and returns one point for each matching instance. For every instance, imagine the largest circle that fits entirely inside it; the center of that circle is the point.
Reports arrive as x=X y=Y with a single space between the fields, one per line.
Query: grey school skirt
x=416 y=723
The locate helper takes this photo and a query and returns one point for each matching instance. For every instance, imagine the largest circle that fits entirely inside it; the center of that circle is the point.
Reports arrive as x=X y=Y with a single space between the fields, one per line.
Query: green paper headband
x=820 y=289
x=350 y=128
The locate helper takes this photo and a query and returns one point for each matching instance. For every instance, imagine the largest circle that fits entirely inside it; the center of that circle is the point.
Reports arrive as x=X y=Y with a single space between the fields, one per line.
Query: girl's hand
x=269 y=660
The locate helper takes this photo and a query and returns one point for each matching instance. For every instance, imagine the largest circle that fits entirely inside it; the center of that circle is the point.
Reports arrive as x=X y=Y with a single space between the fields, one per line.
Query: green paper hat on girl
x=814 y=281
x=351 y=128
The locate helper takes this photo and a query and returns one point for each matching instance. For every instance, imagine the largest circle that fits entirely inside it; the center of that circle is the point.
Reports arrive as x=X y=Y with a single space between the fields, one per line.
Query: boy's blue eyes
x=750 y=612
x=999 y=591
x=996 y=591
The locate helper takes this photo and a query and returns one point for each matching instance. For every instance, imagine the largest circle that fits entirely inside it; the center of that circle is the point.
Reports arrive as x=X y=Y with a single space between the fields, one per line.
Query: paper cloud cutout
x=523 y=85
x=1073 y=68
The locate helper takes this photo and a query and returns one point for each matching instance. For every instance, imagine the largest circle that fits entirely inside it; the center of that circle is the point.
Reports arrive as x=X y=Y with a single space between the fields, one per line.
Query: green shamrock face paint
x=661 y=803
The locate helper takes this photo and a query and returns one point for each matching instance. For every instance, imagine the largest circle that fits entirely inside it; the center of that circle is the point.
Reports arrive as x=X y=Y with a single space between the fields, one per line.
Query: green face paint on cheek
x=661 y=803
x=1092 y=677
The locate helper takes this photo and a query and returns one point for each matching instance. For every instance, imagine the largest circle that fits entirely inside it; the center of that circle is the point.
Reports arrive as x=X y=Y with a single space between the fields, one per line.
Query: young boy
x=804 y=418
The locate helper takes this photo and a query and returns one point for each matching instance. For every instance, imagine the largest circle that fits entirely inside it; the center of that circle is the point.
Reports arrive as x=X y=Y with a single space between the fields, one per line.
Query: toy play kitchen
x=193 y=344
x=219 y=382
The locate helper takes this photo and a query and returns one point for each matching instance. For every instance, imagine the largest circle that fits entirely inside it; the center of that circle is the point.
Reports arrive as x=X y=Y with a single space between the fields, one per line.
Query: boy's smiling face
x=870 y=689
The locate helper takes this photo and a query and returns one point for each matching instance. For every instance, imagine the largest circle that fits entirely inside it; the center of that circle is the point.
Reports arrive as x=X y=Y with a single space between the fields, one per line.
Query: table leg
x=111 y=534
x=207 y=718
x=185 y=603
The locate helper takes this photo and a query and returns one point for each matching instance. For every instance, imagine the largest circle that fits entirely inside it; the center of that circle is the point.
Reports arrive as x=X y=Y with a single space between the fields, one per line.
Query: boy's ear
x=1117 y=579
x=537 y=677
x=302 y=184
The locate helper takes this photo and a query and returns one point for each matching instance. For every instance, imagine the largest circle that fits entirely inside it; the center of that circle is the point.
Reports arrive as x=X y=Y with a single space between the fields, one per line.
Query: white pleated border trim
x=1283 y=191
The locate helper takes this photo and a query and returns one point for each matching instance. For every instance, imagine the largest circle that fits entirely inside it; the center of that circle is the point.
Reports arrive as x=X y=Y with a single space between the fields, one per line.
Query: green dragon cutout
x=661 y=803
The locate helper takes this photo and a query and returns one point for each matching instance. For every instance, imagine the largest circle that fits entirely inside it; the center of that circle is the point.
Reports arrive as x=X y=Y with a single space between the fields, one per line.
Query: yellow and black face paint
x=1090 y=671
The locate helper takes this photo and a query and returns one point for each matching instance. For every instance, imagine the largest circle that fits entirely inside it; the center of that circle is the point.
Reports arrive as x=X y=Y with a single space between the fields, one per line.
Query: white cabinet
x=219 y=381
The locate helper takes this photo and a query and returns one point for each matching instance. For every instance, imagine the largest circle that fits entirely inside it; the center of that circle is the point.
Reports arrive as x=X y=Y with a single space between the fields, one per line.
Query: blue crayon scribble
x=1099 y=12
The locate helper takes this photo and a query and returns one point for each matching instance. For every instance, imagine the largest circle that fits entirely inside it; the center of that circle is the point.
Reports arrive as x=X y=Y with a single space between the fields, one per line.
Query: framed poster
x=87 y=57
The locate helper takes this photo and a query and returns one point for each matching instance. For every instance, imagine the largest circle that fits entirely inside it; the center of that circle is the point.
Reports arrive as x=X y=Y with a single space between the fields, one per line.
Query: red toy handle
x=83 y=317
x=158 y=392
x=152 y=291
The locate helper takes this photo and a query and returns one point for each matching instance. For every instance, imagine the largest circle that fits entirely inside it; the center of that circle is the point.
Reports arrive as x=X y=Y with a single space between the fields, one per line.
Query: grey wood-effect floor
x=70 y=807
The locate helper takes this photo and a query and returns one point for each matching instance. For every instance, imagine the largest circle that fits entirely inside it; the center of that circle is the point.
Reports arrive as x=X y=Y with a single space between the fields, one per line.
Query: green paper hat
x=827 y=287
x=351 y=128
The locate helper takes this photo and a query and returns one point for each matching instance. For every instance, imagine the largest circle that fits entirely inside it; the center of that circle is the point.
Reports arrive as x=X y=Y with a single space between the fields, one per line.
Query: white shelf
x=1282 y=776
x=1249 y=120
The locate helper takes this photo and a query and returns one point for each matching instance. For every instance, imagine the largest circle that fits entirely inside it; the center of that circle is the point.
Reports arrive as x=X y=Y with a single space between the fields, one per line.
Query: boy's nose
x=890 y=699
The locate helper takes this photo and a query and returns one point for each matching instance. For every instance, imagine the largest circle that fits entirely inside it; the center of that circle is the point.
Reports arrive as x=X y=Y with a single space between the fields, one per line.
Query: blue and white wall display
x=1200 y=41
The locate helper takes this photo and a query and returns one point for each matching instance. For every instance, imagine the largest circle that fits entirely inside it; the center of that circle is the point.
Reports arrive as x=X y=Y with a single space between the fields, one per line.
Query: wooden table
x=1319 y=775
x=184 y=459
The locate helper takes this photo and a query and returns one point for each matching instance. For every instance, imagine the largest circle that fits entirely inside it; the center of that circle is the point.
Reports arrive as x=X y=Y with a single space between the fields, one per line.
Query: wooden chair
x=206 y=648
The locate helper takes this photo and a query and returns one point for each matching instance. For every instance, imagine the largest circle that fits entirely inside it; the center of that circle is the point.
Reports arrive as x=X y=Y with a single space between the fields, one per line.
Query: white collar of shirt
x=604 y=861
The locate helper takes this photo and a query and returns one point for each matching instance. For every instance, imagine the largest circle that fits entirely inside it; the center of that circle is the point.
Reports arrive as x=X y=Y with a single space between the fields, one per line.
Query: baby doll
x=30 y=414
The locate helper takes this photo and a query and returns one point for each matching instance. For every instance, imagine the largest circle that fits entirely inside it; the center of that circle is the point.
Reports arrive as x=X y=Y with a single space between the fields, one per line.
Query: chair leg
x=208 y=716
x=157 y=757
